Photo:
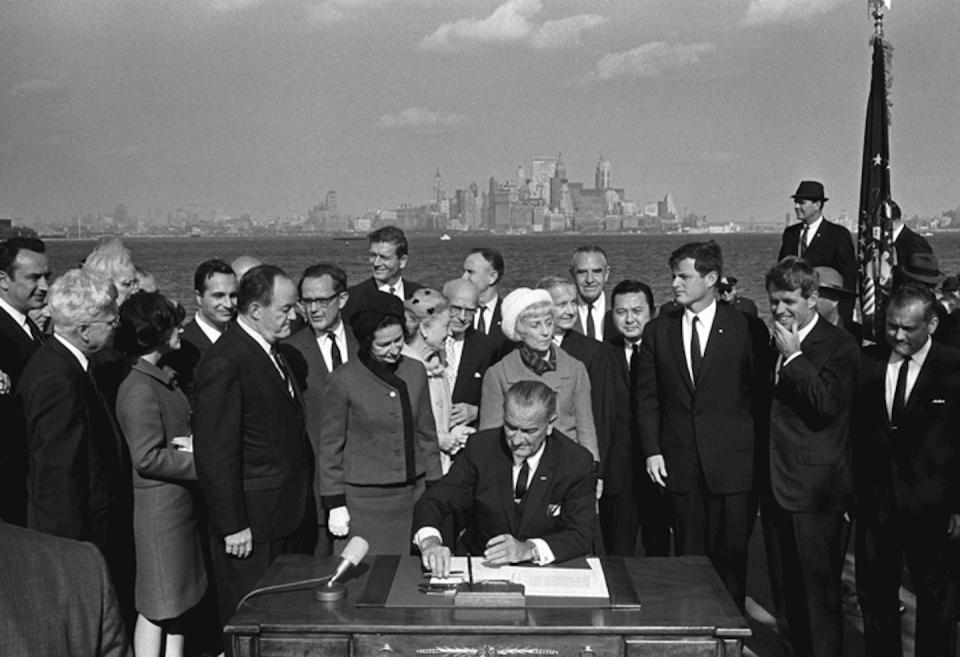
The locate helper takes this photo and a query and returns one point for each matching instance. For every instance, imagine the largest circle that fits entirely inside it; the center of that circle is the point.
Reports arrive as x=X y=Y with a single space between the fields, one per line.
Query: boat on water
x=445 y=238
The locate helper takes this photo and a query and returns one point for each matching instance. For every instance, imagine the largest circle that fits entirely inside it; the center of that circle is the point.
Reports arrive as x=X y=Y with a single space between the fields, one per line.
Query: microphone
x=353 y=553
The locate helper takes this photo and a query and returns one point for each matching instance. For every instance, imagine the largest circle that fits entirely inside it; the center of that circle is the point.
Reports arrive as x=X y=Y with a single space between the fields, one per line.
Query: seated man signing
x=528 y=490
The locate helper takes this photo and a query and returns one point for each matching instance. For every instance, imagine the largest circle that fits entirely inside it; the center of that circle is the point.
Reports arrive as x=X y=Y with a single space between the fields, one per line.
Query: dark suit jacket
x=710 y=427
x=831 y=246
x=909 y=242
x=918 y=460
x=79 y=479
x=366 y=288
x=503 y=345
x=623 y=457
x=597 y=359
x=310 y=370
x=250 y=442
x=56 y=598
x=809 y=458
x=479 y=353
x=194 y=344
x=16 y=348
x=559 y=506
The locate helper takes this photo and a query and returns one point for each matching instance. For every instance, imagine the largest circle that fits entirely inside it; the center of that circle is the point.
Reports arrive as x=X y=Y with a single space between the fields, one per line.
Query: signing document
x=550 y=581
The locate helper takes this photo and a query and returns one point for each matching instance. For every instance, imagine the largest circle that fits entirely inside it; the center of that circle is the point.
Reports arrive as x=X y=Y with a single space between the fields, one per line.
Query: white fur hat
x=515 y=303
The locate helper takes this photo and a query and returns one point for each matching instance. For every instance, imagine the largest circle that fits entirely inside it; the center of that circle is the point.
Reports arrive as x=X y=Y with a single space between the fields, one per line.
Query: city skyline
x=262 y=106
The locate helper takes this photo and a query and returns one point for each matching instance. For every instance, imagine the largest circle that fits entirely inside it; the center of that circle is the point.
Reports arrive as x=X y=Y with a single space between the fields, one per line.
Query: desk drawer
x=469 y=645
x=681 y=647
x=302 y=646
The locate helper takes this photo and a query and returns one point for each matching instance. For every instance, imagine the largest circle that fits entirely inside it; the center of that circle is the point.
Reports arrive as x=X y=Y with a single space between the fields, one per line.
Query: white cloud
x=782 y=11
x=419 y=119
x=325 y=12
x=35 y=86
x=233 y=5
x=650 y=60
x=511 y=22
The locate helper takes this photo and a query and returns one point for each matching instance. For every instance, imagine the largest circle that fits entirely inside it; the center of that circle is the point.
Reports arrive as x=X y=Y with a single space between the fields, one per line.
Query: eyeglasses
x=319 y=302
x=112 y=323
x=460 y=310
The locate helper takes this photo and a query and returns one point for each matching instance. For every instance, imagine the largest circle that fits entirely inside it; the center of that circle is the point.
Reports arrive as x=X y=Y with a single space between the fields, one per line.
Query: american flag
x=875 y=231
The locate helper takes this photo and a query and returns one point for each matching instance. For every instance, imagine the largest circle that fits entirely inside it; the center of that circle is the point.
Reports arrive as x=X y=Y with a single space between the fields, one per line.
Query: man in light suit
x=314 y=352
x=906 y=478
x=484 y=268
x=820 y=242
x=527 y=489
x=251 y=449
x=79 y=482
x=24 y=274
x=56 y=598
x=700 y=385
x=468 y=352
x=808 y=481
x=215 y=285
x=387 y=255
x=589 y=270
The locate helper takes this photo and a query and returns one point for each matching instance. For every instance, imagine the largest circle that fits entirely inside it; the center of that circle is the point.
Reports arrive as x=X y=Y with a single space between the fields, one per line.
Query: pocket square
x=477 y=375
x=553 y=510
x=939 y=402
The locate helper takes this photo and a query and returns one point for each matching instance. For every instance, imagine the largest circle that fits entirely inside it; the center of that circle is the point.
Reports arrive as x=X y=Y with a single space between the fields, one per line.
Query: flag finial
x=877 y=9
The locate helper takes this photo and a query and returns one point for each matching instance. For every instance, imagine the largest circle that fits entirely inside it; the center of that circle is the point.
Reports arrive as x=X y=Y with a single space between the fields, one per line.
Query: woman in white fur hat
x=528 y=320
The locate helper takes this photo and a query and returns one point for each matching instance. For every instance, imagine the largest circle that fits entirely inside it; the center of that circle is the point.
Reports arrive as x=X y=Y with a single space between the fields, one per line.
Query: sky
x=262 y=106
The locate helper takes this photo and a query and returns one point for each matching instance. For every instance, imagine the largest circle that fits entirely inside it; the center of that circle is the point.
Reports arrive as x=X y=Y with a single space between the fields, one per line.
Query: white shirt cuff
x=789 y=358
x=544 y=551
x=424 y=533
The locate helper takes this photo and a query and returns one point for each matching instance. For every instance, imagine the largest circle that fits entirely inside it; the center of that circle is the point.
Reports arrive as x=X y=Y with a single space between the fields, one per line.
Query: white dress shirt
x=599 y=312
x=913 y=371
x=18 y=317
x=326 y=349
x=706 y=317
x=212 y=332
x=398 y=290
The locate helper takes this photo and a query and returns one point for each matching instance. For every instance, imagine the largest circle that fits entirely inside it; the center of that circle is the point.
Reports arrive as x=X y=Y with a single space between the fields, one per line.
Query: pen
x=470 y=569
x=430 y=573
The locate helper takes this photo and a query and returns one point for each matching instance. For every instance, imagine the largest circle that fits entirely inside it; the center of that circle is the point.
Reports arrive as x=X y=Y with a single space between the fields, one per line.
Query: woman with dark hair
x=378 y=440
x=155 y=417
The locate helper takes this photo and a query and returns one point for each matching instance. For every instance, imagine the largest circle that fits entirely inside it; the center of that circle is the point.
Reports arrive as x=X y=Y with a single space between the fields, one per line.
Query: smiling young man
x=387 y=254
x=215 y=286
x=808 y=466
x=699 y=396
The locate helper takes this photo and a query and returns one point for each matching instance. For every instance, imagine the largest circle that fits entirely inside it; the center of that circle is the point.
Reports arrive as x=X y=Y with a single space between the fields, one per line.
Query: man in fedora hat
x=924 y=269
x=832 y=292
x=820 y=242
x=948 y=293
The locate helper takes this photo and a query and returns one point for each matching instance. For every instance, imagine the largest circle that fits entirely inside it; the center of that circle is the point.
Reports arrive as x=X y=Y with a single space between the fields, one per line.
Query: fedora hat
x=950 y=284
x=923 y=267
x=832 y=281
x=809 y=190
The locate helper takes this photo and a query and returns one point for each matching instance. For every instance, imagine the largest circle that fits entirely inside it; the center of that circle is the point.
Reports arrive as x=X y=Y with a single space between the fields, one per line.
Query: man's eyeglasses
x=319 y=302
x=460 y=310
x=112 y=323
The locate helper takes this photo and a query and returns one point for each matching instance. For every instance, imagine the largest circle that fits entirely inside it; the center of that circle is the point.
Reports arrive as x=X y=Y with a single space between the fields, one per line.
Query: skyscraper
x=602 y=178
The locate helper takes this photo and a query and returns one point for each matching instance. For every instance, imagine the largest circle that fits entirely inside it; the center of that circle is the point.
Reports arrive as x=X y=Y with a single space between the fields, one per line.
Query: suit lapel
x=504 y=475
x=924 y=378
x=715 y=342
x=268 y=366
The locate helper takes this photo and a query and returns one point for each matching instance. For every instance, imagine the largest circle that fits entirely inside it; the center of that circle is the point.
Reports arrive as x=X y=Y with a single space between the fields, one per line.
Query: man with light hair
x=113 y=261
x=78 y=484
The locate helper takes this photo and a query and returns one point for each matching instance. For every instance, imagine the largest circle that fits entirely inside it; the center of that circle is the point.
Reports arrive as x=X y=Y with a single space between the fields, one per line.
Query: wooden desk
x=684 y=611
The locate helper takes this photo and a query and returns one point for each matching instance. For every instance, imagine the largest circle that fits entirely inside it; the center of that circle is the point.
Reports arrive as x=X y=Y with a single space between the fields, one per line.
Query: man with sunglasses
x=325 y=343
